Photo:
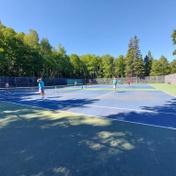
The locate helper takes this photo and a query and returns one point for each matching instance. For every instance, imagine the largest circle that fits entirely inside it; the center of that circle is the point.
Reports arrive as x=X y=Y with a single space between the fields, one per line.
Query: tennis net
x=26 y=91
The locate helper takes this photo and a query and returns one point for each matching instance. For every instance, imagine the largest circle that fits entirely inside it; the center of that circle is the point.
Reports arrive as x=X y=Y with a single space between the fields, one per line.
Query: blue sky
x=96 y=26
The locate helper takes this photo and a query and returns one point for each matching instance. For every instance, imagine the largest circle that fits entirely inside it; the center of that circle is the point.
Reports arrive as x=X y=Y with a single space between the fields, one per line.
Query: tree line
x=23 y=55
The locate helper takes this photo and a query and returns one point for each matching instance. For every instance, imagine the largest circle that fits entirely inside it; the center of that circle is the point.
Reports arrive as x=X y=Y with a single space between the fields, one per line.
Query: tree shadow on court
x=164 y=116
x=43 y=143
x=53 y=104
x=168 y=107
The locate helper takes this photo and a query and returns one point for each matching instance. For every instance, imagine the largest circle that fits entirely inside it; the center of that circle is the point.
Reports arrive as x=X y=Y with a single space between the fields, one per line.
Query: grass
x=168 y=88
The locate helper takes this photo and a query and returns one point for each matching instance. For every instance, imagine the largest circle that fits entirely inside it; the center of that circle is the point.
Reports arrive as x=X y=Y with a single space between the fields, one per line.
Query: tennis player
x=114 y=84
x=41 y=87
x=129 y=81
x=7 y=87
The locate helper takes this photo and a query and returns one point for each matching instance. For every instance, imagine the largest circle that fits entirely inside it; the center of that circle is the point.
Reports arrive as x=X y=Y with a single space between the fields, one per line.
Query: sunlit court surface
x=88 y=130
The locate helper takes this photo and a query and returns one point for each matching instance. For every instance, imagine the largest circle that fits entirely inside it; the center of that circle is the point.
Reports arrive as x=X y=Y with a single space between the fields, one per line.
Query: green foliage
x=90 y=65
x=160 y=67
x=75 y=65
x=32 y=39
x=148 y=64
x=155 y=70
x=119 y=65
x=23 y=55
x=174 y=40
x=173 y=66
x=107 y=66
x=134 y=61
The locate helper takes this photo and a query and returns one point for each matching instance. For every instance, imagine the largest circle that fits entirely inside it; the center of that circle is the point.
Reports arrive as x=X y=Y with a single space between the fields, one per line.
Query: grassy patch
x=168 y=88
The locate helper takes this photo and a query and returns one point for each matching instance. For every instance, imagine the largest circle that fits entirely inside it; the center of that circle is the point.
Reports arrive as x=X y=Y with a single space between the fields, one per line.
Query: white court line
x=127 y=109
x=168 y=93
x=125 y=121
x=165 y=92
x=104 y=117
x=103 y=95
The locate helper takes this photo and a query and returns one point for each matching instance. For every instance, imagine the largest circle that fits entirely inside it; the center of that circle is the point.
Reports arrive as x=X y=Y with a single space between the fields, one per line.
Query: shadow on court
x=168 y=107
x=54 y=104
x=45 y=143
x=163 y=116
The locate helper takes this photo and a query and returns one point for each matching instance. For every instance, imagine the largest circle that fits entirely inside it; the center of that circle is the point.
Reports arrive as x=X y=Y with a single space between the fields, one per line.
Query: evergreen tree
x=129 y=59
x=134 y=61
x=148 y=63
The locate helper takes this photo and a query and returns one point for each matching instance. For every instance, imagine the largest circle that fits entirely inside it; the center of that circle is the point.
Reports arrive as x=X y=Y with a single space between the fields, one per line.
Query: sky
x=96 y=27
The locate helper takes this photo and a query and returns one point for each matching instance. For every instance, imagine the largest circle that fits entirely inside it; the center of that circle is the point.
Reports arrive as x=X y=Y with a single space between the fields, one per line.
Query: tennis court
x=89 y=130
x=137 y=104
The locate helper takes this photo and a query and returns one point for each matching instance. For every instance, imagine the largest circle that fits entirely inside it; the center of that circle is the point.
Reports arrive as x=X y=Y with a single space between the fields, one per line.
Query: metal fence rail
x=170 y=79
x=27 y=81
x=32 y=81
x=136 y=80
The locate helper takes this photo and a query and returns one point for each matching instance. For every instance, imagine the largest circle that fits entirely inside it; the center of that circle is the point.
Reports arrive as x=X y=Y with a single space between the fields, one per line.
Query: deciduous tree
x=174 y=40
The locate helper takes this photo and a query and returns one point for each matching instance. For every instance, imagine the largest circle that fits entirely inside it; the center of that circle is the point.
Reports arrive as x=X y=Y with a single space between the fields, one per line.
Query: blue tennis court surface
x=140 y=104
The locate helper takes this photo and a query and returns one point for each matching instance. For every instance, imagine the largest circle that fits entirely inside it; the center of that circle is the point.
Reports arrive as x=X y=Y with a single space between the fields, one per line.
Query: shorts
x=42 y=89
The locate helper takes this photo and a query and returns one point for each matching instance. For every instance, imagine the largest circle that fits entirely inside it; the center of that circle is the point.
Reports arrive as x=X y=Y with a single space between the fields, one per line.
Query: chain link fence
x=32 y=81
x=134 y=80
x=170 y=79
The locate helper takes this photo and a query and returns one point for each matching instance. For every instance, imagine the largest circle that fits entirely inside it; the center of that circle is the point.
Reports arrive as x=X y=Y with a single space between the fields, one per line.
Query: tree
x=174 y=40
x=46 y=53
x=129 y=59
x=119 y=65
x=139 y=67
x=32 y=39
x=148 y=63
x=8 y=45
x=160 y=67
x=76 y=65
x=164 y=65
x=134 y=65
x=173 y=66
x=65 y=62
x=91 y=65
x=107 y=66
x=155 y=70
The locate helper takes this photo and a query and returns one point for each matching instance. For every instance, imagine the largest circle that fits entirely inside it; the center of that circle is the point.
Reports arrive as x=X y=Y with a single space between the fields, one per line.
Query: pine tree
x=134 y=61
x=148 y=63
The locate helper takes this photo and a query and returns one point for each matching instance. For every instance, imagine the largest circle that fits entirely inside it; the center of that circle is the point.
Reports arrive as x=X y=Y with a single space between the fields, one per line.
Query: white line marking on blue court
x=92 y=115
x=103 y=95
x=165 y=92
x=127 y=109
x=125 y=121
x=168 y=94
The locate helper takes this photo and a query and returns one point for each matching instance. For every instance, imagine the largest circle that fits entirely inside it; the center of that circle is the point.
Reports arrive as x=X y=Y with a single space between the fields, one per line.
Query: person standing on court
x=129 y=81
x=41 y=86
x=7 y=87
x=114 y=84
